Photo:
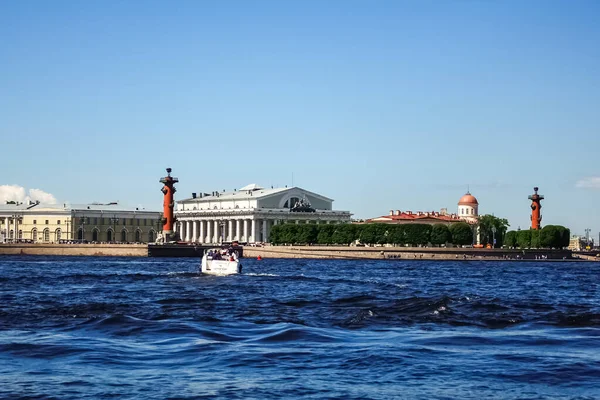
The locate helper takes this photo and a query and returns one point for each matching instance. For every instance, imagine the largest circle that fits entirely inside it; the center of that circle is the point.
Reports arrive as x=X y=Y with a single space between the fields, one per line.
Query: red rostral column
x=168 y=191
x=536 y=209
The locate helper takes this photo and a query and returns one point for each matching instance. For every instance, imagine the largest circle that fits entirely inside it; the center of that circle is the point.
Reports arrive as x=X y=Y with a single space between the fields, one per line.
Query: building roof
x=70 y=207
x=252 y=186
x=254 y=192
x=414 y=216
x=106 y=207
x=468 y=200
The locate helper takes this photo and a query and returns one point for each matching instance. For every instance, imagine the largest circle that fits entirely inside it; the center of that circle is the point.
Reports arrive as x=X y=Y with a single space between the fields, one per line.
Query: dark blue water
x=74 y=328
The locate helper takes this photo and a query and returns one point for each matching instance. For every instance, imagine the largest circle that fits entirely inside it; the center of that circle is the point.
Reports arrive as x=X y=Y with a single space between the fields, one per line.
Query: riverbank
x=312 y=252
x=406 y=253
x=51 y=249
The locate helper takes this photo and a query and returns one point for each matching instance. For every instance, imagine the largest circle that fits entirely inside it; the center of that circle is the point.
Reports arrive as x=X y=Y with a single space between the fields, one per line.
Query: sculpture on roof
x=302 y=205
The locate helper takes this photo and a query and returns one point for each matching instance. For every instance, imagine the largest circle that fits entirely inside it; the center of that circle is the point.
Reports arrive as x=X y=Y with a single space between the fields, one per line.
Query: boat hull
x=220 y=267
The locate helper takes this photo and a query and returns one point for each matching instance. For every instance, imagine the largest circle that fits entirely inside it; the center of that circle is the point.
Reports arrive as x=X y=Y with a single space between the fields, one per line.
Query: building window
x=46 y=235
x=80 y=234
x=58 y=222
x=20 y=236
x=138 y=236
x=34 y=221
x=109 y=235
x=95 y=235
x=34 y=235
x=46 y=222
x=57 y=235
x=124 y=236
x=11 y=234
x=95 y=221
x=151 y=237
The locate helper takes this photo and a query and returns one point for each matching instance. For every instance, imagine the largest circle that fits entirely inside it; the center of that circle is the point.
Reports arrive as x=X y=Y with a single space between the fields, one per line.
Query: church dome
x=467 y=200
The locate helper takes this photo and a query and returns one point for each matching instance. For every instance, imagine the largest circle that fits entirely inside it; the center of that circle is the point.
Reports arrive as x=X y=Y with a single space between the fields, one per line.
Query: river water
x=73 y=328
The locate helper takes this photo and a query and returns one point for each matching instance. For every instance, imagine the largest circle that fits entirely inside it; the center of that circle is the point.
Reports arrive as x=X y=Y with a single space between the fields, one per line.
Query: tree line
x=459 y=233
x=491 y=230
x=550 y=236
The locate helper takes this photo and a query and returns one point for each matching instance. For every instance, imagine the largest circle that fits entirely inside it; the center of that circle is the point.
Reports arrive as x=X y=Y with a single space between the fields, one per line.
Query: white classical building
x=248 y=214
x=468 y=208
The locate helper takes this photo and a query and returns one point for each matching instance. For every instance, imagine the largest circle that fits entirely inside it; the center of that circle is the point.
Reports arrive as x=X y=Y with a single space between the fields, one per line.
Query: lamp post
x=494 y=237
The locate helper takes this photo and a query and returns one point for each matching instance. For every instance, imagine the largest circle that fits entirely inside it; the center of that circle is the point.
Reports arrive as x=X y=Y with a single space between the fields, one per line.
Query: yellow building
x=40 y=223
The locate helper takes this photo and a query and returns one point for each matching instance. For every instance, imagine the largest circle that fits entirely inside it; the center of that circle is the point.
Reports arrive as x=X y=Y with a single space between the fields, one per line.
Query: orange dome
x=467 y=200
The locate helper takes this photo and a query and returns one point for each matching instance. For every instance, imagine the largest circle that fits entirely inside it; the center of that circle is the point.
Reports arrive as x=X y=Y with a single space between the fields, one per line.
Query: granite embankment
x=332 y=252
x=407 y=253
x=119 y=250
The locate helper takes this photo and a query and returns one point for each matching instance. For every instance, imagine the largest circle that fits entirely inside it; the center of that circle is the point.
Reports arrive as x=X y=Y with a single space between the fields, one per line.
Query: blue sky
x=379 y=105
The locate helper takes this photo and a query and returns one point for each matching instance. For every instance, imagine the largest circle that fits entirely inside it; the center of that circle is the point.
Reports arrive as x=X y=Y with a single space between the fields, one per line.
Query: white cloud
x=19 y=194
x=592 y=182
x=43 y=197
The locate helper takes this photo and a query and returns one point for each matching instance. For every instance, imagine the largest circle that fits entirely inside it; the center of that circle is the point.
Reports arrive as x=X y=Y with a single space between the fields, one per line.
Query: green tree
x=275 y=235
x=306 y=234
x=462 y=234
x=343 y=233
x=397 y=234
x=550 y=236
x=487 y=223
x=325 y=233
x=510 y=239
x=535 y=238
x=553 y=236
x=524 y=239
x=440 y=234
x=565 y=236
x=289 y=233
x=373 y=233
x=417 y=234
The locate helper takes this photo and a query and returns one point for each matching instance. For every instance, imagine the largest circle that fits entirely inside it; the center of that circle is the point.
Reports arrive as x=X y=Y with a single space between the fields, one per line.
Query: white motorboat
x=220 y=262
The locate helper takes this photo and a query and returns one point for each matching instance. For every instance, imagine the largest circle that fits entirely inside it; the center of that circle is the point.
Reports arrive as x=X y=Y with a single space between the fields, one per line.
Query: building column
x=253 y=231
x=217 y=233
x=209 y=226
x=194 y=231
x=229 y=230
x=202 y=238
x=264 y=231
x=245 y=237
x=188 y=226
x=237 y=230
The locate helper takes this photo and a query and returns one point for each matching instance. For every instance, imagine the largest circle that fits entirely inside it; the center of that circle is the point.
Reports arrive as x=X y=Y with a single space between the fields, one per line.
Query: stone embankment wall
x=587 y=257
x=408 y=253
x=121 y=250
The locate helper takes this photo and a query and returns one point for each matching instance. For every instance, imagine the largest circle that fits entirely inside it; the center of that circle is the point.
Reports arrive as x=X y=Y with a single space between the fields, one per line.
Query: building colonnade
x=246 y=230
